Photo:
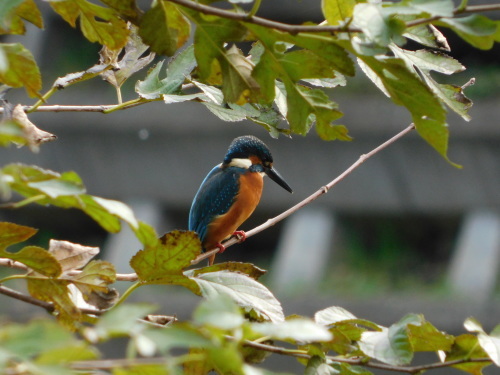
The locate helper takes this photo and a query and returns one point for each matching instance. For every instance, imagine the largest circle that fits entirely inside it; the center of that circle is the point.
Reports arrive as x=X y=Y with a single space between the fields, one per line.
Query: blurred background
x=406 y=232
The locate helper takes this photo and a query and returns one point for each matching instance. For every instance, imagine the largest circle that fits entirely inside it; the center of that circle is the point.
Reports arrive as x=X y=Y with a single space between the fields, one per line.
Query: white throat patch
x=240 y=163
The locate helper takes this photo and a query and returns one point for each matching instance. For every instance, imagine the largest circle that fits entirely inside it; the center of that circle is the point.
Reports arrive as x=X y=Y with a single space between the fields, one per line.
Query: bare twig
x=312 y=197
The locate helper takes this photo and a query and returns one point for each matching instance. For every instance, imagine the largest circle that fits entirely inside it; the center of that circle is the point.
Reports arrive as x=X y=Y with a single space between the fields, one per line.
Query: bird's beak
x=276 y=177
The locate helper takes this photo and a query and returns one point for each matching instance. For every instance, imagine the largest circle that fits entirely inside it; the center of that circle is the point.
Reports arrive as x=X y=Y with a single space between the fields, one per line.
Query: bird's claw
x=221 y=247
x=240 y=235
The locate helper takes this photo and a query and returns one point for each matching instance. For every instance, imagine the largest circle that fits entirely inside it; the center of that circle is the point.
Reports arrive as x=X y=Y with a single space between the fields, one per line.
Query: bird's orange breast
x=250 y=191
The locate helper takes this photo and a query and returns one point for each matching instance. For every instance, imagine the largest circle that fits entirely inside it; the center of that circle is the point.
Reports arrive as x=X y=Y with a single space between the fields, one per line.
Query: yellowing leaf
x=56 y=291
x=20 y=69
x=98 y=24
x=11 y=234
x=173 y=253
x=336 y=11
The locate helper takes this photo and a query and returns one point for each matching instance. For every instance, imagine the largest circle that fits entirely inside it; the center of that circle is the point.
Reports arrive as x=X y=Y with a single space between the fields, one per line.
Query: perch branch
x=312 y=197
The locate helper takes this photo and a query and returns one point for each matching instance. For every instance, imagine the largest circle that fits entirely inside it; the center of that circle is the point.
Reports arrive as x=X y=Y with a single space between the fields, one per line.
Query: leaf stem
x=44 y=99
x=127 y=293
x=12 y=277
x=255 y=8
x=24 y=202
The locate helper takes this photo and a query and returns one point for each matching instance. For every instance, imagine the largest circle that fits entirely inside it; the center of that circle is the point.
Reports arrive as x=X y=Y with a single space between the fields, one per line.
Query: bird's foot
x=221 y=247
x=240 y=235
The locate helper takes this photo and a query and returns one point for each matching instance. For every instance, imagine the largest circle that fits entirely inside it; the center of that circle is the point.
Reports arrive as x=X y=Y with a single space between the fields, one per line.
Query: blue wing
x=214 y=197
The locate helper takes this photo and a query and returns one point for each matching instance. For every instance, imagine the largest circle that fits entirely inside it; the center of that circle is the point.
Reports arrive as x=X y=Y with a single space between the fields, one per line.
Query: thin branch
x=294 y=29
x=109 y=364
x=44 y=305
x=312 y=197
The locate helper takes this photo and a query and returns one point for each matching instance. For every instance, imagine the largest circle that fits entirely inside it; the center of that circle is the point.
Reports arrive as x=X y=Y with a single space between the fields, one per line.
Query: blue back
x=214 y=197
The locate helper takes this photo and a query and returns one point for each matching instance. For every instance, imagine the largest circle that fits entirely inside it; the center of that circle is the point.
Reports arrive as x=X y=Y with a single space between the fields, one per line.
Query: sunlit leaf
x=37 y=259
x=218 y=311
x=294 y=329
x=178 y=69
x=476 y=29
x=336 y=11
x=11 y=234
x=173 y=253
x=467 y=347
x=242 y=289
x=98 y=24
x=246 y=268
x=21 y=69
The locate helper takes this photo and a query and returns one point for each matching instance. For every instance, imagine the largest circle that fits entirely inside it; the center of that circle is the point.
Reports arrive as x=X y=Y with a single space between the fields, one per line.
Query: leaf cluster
x=280 y=83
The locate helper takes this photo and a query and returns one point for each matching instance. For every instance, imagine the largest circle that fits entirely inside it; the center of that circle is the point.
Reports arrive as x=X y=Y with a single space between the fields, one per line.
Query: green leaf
x=65 y=190
x=211 y=34
x=477 y=30
x=332 y=315
x=11 y=234
x=20 y=69
x=127 y=8
x=180 y=335
x=440 y=8
x=467 y=347
x=164 y=28
x=98 y=24
x=427 y=35
x=426 y=337
x=56 y=291
x=377 y=25
x=120 y=321
x=36 y=258
x=13 y=12
x=248 y=269
x=179 y=68
x=299 y=329
x=35 y=338
x=489 y=343
x=391 y=345
x=67 y=354
x=11 y=132
x=429 y=60
x=423 y=62
x=218 y=311
x=7 y=9
x=337 y=11
x=405 y=88
x=317 y=366
x=173 y=253
x=242 y=289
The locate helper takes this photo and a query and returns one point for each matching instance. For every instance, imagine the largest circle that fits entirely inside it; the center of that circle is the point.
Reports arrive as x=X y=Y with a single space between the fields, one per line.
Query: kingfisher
x=231 y=191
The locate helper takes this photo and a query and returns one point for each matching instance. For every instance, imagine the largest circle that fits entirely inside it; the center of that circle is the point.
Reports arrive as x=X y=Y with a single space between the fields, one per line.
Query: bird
x=231 y=191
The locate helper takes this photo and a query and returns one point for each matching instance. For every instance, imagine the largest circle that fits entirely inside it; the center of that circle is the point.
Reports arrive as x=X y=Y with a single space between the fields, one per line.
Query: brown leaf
x=72 y=256
x=33 y=135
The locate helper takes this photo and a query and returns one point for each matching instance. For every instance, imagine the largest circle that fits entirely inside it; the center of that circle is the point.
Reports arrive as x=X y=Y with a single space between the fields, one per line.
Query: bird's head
x=249 y=152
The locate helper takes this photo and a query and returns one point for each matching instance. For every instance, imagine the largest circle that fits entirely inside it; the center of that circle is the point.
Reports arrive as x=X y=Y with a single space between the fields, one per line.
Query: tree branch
x=312 y=197
x=109 y=364
x=294 y=29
